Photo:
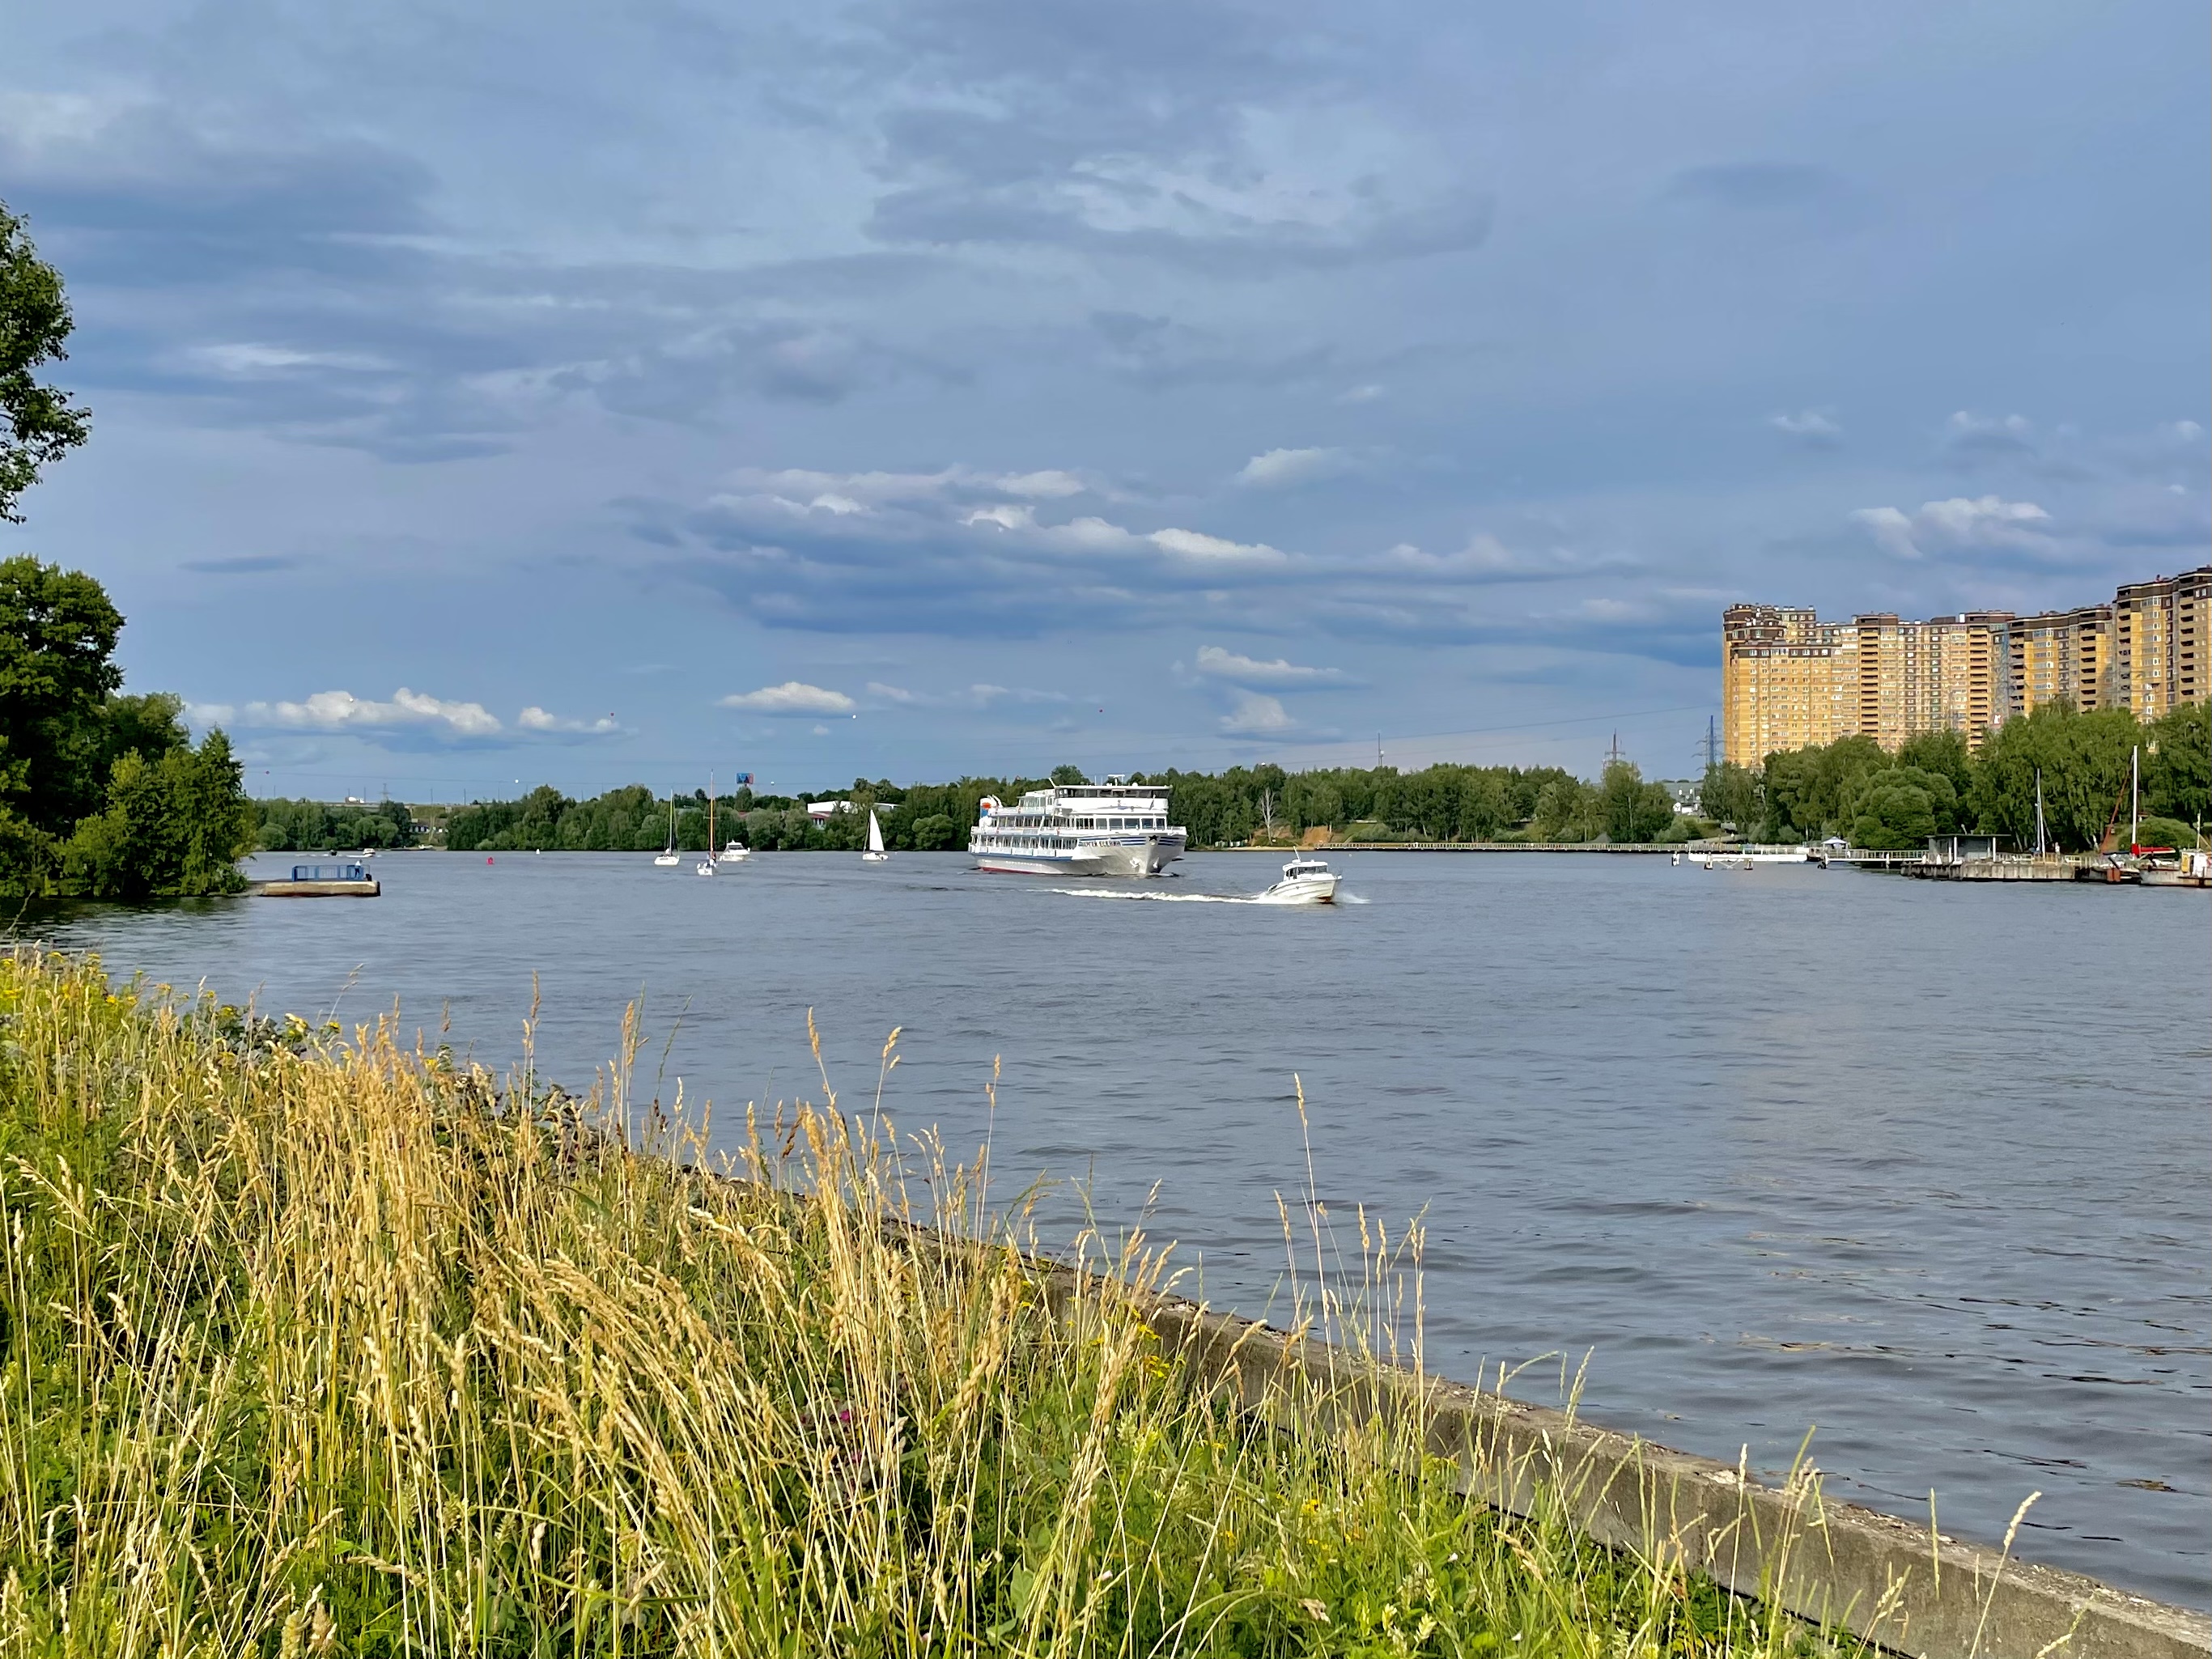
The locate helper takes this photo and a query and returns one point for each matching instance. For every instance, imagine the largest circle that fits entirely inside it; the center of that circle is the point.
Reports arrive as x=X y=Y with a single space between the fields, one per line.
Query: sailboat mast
x=2038 y=812
x=710 y=815
x=2134 y=797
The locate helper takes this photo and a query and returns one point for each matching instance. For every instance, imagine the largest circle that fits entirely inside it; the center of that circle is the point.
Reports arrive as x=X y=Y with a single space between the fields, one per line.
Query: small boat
x=1305 y=881
x=668 y=858
x=706 y=865
x=736 y=852
x=875 y=854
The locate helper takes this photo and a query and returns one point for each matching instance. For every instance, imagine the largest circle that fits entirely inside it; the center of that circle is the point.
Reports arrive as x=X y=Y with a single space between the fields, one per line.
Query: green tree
x=1732 y=794
x=174 y=828
x=935 y=834
x=2083 y=760
x=58 y=633
x=2178 y=763
x=38 y=423
x=1632 y=810
x=1899 y=807
x=1944 y=753
x=1068 y=776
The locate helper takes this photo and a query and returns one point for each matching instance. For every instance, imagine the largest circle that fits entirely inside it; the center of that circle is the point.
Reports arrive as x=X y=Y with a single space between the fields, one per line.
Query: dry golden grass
x=321 y=1346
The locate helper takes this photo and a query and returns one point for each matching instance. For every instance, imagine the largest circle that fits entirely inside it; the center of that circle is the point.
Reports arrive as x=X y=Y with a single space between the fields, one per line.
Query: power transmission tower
x=1613 y=756
x=1712 y=744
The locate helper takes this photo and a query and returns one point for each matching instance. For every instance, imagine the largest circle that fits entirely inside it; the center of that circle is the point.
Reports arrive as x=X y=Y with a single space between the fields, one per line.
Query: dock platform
x=322 y=881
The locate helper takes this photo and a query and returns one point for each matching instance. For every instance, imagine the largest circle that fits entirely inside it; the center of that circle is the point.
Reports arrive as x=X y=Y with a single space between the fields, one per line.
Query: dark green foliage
x=1932 y=785
x=1899 y=807
x=314 y=826
x=101 y=795
x=1068 y=776
x=1733 y=795
x=2178 y=763
x=2084 y=762
x=1634 y=811
x=1943 y=753
x=57 y=632
x=38 y=423
x=174 y=828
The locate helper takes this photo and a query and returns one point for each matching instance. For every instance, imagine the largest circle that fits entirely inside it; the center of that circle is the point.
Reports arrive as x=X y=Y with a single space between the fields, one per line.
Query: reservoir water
x=1921 y=1169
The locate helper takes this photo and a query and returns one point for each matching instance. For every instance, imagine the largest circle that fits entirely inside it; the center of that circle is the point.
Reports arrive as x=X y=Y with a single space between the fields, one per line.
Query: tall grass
x=319 y=1346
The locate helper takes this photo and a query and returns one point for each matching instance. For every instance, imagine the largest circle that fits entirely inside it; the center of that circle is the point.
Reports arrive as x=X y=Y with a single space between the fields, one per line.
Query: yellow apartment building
x=1788 y=680
x=2063 y=653
x=2159 y=642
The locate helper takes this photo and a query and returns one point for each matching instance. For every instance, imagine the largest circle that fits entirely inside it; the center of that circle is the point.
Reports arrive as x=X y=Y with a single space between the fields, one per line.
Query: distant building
x=2063 y=654
x=823 y=810
x=2159 y=642
x=1790 y=680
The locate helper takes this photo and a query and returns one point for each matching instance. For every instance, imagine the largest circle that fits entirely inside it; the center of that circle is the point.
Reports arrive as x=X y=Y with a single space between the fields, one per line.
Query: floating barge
x=323 y=881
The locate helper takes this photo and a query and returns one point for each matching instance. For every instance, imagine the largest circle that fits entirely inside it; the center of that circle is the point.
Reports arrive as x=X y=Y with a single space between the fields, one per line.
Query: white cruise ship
x=1111 y=828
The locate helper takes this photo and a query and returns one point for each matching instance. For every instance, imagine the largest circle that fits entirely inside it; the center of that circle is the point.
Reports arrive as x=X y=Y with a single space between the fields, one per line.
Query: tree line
x=1242 y=805
x=1934 y=786
x=102 y=794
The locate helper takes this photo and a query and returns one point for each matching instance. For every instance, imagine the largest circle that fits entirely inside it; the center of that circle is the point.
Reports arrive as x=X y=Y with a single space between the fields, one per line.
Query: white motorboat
x=1111 y=828
x=875 y=853
x=735 y=852
x=706 y=865
x=1305 y=881
x=668 y=858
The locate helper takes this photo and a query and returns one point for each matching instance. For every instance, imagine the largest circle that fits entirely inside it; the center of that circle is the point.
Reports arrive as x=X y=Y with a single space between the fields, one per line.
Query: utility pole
x=1378 y=751
x=1613 y=755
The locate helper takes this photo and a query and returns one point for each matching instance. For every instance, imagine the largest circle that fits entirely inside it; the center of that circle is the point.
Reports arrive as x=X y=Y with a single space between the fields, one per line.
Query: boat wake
x=1200 y=898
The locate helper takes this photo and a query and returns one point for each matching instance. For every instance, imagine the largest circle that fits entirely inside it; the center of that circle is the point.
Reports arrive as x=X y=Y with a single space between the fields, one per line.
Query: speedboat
x=1305 y=881
x=735 y=853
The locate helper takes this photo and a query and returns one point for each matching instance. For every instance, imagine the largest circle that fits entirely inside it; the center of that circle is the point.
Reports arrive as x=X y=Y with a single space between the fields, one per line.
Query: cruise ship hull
x=1126 y=856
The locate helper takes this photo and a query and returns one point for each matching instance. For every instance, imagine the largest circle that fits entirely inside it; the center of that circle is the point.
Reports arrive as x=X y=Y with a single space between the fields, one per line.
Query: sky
x=495 y=394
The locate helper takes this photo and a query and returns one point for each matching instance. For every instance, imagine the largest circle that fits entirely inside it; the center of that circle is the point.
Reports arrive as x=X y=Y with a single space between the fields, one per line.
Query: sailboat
x=875 y=854
x=668 y=858
x=706 y=865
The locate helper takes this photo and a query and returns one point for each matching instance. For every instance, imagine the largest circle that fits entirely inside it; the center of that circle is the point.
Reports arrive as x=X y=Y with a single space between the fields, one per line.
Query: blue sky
x=592 y=394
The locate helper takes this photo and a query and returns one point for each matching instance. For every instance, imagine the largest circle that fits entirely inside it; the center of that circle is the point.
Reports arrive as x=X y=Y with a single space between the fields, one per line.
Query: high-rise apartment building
x=2063 y=653
x=1787 y=680
x=1790 y=680
x=2159 y=642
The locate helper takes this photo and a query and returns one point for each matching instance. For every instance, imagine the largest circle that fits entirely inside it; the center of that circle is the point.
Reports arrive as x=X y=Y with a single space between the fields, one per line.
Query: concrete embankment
x=1898 y=1585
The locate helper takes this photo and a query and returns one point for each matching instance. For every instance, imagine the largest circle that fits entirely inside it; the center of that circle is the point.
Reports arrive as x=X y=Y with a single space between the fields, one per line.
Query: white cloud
x=1050 y=484
x=981 y=694
x=534 y=719
x=1257 y=716
x=1196 y=545
x=1984 y=521
x=1006 y=514
x=1361 y=394
x=342 y=711
x=246 y=358
x=1282 y=469
x=1810 y=426
x=792 y=697
x=1216 y=663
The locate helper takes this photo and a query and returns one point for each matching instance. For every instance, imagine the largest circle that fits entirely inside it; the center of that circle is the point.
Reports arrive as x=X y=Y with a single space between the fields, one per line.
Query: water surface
x=1921 y=1168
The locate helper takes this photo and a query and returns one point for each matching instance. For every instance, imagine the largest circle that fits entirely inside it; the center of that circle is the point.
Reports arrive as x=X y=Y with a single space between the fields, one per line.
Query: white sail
x=875 y=852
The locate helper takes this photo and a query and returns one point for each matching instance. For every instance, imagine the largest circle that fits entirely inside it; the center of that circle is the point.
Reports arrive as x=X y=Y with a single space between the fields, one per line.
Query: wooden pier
x=322 y=881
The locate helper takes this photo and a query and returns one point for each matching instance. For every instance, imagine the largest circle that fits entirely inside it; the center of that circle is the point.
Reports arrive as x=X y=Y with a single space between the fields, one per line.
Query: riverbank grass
x=318 y=1345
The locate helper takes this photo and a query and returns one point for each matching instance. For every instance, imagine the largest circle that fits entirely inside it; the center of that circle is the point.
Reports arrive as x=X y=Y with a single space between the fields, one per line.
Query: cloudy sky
x=495 y=391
